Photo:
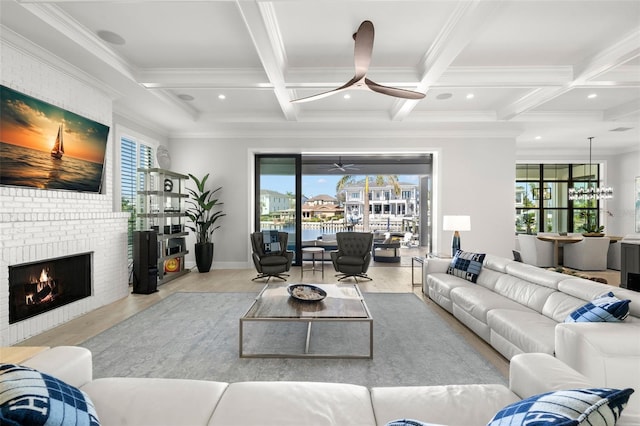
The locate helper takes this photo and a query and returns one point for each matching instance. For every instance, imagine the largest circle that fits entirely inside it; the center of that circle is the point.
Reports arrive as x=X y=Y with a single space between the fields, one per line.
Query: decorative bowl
x=306 y=292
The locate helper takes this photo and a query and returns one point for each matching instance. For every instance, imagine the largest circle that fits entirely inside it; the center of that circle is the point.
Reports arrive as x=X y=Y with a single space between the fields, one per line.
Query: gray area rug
x=195 y=336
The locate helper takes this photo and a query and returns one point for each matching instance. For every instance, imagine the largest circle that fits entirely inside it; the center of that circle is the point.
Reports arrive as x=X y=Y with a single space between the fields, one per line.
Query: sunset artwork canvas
x=44 y=146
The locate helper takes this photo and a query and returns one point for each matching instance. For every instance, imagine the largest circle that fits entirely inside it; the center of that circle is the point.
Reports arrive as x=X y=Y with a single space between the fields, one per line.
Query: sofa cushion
x=527 y=330
x=314 y=403
x=524 y=292
x=559 y=305
x=154 y=401
x=593 y=407
x=477 y=301
x=534 y=275
x=29 y=397
x=443 y=283
x=466 y=265
x=449 y=404
x=606 y=308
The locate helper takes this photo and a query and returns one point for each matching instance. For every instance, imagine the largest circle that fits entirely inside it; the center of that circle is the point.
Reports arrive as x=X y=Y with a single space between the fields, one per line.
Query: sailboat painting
x=44 y=146
x=58 y=146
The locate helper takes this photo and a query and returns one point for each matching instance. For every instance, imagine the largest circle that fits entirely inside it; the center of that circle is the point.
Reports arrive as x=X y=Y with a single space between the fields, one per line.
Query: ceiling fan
x=362 y=58
x=342 y=167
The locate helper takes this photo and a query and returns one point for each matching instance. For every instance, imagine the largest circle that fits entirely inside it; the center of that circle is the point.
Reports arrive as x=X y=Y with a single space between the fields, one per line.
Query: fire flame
x=41 y=283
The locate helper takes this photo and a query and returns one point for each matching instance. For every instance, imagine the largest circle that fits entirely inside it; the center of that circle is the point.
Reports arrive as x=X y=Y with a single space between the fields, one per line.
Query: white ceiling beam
x=598 y=65
x=321 y=78
x=62 y=22
x=624 y=50
x=201 y=78
x=463 y=25
x=262 y=26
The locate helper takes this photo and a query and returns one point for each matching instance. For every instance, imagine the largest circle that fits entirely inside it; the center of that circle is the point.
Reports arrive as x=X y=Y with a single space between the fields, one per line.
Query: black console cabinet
x=630 y=266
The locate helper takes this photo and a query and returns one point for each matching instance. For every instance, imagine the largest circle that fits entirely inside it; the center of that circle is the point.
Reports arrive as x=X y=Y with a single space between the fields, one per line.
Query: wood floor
x=389 y=278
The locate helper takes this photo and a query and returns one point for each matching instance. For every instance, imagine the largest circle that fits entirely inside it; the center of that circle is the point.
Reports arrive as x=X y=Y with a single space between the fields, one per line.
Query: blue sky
x=313 y=185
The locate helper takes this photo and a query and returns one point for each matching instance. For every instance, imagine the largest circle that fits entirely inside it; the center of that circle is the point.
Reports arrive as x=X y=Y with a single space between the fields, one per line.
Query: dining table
x=568 y=239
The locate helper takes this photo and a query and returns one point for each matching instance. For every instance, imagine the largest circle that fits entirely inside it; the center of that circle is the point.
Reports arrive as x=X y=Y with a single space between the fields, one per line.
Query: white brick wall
x=39 y=224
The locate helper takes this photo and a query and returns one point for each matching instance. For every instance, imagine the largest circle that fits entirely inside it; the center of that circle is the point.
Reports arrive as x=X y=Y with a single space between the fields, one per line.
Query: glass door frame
x=297 y=258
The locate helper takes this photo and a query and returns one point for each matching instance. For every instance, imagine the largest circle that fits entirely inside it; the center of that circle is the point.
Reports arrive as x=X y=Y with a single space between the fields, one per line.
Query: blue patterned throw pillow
x=606 y=308
x=592 y=407
x=466 y=265
x=28 y=397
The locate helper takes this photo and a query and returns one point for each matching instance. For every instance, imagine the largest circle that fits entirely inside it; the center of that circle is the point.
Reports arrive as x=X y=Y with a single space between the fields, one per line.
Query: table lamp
x=455 y=224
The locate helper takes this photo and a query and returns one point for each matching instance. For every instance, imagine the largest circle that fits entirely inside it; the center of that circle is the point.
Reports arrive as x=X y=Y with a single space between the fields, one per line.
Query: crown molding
x=27 y=47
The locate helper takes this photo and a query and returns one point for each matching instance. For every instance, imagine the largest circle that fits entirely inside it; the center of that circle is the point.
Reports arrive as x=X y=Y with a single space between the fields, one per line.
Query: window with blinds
x=132 y=155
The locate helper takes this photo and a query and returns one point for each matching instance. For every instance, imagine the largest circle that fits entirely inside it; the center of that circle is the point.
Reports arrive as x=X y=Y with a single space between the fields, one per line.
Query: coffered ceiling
x=548 y=73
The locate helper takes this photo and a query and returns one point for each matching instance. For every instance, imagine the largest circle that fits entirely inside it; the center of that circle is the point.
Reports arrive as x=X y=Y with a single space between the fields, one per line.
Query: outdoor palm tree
x=379 y=180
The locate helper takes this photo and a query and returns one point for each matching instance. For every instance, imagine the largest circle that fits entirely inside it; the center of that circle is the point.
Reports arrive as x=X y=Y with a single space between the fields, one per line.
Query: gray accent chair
x=353 y=256
x=270 y=265
x=536 y=252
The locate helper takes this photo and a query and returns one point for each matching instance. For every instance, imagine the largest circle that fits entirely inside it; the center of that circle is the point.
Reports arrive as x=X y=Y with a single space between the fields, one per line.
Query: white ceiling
x=529 y=64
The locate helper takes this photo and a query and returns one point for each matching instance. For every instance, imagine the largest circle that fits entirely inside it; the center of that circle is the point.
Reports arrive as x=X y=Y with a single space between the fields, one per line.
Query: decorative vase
x=204 y=256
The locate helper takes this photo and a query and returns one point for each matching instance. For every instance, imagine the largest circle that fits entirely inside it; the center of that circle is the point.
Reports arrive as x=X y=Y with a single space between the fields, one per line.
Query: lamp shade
x=456 y=223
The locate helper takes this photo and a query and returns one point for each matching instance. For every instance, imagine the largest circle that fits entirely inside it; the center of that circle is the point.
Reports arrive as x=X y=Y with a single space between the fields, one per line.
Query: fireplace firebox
x=39 y=287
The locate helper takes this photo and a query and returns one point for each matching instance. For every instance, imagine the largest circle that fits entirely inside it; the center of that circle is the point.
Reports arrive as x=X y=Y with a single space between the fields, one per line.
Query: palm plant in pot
x=203 y=214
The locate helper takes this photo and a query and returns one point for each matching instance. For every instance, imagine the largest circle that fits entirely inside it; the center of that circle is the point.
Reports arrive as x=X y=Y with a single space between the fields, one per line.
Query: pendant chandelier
x=590 y=192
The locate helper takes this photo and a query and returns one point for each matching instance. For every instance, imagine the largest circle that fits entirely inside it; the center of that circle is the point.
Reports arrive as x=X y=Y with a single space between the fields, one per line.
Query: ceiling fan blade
x=363 y=48
x=325 y=94
x=393 y=91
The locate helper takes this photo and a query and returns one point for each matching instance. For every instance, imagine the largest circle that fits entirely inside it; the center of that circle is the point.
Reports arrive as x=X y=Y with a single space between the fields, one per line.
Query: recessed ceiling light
x=538 y=138
x=443 y=96
x=111 y=37
x=470 y=96
x=222 y=97
x=592 y=95
x=185 y=97
x=347 y=96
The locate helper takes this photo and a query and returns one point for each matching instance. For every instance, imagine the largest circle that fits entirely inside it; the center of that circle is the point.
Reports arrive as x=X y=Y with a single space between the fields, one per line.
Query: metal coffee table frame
x=336 y=298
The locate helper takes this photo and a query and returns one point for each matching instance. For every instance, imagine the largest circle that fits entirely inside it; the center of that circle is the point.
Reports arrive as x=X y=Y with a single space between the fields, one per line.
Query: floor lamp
x=455 y=224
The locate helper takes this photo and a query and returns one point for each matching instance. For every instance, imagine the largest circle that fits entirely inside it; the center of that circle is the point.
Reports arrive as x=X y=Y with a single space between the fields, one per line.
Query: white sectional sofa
x=519 y=308
x=157 y=402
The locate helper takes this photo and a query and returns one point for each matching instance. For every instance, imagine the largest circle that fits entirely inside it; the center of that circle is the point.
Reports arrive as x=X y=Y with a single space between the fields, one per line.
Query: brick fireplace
x=34 y=239
x=37 y=225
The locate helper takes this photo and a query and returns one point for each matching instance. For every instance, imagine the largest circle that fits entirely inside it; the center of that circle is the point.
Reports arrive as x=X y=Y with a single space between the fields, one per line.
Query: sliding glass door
x=277 y=197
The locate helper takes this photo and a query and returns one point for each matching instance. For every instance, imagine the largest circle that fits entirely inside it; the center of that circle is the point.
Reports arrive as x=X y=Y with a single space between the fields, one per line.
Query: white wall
x=620 y=211
x=41 y=224
x=471 y=180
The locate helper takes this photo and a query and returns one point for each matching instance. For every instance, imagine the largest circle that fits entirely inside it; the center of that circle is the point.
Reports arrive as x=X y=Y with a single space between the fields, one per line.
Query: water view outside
x=324 y=207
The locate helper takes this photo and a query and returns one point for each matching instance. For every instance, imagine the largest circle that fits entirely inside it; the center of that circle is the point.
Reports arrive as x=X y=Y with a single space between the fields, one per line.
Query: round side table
x=314 y=251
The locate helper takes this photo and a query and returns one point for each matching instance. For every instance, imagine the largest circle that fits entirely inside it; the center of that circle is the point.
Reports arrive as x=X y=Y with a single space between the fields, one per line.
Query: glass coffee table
x=344 y=304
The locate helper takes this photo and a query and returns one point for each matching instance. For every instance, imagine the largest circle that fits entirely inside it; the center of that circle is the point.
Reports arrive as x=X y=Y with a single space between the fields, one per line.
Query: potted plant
x=590 y=227
x=203 y=213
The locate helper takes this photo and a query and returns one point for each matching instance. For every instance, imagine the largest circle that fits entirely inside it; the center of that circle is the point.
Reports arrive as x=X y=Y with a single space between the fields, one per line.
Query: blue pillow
x=28 y=397
x=466 y=265
x=593 y=407
x=606 y=308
